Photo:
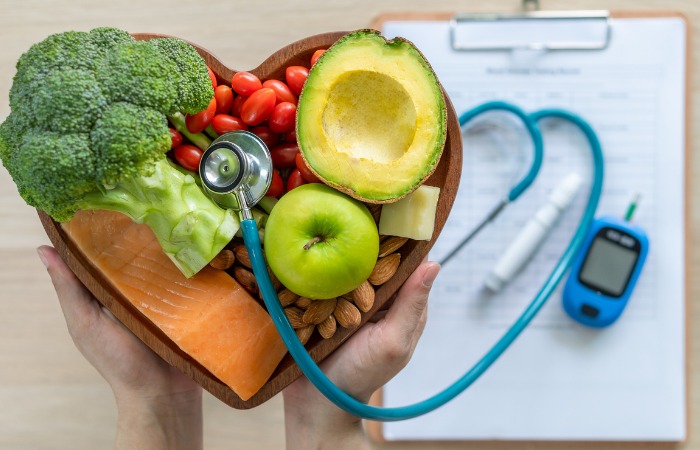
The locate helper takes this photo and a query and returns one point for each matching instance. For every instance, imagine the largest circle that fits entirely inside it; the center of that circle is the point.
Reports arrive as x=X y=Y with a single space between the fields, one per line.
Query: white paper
x=559 y=380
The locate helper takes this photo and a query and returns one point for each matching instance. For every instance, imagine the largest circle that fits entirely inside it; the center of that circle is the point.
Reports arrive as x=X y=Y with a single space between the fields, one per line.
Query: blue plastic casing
x=605 y=271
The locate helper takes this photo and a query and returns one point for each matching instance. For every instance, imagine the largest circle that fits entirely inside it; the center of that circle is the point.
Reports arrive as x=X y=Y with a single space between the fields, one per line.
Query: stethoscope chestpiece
x=236 y=170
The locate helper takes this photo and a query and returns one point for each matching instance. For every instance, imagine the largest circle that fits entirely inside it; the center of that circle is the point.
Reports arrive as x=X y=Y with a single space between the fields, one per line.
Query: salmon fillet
x=209 y=316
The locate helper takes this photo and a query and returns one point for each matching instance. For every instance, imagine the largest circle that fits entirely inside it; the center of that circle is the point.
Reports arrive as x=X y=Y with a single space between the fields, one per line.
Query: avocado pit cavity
x=369 y=115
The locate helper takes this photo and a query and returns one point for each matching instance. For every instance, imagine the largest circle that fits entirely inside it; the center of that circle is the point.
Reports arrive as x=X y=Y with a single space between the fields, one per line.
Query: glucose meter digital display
x=608 y=265
x=604 y=274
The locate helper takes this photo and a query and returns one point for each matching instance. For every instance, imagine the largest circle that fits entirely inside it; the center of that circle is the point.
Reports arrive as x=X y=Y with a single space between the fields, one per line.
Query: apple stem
x=313 y=241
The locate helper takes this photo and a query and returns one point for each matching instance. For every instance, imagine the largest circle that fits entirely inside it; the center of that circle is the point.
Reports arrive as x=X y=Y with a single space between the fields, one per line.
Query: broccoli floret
x=12 y=130
x=72 y=49
x=88 y=130
x=194 y=92
x=54 y=170
x=105 y=39
x=136 y=72
x=69 y=101
x=127 y=140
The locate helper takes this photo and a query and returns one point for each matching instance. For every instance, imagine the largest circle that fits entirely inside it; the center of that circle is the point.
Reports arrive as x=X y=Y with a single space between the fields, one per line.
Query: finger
x=78 y=306
x=407 y=314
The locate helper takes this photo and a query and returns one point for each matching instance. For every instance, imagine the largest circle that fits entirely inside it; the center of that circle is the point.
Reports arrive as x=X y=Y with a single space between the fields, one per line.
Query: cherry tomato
x=317 y=54
x=245 y=83
x=306 y=173
x=268 y=137
x=176 y=137
x=283 y=155
x=224 y=99
x=283 y=117
x=290 y=136
x=213 y=77
x=188 y=156
x=223 y=123
x=277 y=185
x=296 y=76
x=295 y=180
x=284 y=94
x=259 y=106
x=198 y=122
x=236 y=105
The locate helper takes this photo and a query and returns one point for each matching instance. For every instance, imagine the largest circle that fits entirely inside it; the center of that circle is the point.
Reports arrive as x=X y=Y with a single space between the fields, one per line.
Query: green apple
x=319 y=242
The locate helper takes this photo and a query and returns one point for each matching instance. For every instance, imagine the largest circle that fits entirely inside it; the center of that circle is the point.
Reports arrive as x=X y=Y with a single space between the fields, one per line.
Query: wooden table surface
x=50 y=397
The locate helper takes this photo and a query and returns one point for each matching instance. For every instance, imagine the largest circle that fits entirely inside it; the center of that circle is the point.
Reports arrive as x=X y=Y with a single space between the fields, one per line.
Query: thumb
x=78 y=306
x=408 y=313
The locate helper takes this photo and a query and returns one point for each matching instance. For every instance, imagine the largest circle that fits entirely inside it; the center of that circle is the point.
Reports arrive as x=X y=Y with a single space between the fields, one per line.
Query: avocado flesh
x=371 y=118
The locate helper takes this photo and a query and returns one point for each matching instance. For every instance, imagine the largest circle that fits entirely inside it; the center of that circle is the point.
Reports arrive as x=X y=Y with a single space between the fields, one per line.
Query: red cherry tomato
x=290 y=137
x=214 y=83
x=259 y=106
x=277 y=185
x=296 y=76
x=188 y=156
x=283 y=117
x=317 y=54
x=283 y=155
x=295 y=180
x=245 y=83
x=306 y=173
x=223 y=123
x=284 y=94
x=268 y=137
x=176 y=137
x=224 y=99
x=198 y=122
x=237 y=104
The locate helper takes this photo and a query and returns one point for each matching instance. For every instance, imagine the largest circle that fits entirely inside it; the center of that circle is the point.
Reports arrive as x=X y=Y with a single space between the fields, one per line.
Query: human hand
x=367 y=361
x=158 y=406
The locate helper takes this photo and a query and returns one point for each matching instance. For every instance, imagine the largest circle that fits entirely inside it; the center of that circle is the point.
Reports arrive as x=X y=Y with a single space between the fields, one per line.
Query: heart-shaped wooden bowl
x=446 y=176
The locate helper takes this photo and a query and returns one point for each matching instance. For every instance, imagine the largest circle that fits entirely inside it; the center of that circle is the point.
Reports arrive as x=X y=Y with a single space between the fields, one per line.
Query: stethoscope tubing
x=356 y=407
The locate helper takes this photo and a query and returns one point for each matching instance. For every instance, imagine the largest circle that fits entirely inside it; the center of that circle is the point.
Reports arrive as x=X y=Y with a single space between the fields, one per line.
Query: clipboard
x=531 y=12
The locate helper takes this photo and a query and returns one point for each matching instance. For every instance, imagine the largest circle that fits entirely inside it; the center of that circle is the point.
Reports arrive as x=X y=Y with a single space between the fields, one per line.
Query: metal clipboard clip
x=531 y=29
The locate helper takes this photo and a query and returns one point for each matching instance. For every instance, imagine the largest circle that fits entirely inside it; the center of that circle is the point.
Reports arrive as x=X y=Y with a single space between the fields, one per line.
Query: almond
x=347 y=314
x=242 y=255
x=246 y=278
x=363 y=296
x=295 y=315
x=303 y=303
x=319 y=310
x=304 y=334
x=390 y=245
x=384 y=269
x=327 y=327
x=287 y=297
x=224 y=260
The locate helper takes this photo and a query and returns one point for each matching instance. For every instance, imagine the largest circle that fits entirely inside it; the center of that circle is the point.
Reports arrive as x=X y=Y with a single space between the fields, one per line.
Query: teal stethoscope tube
x=359 y=409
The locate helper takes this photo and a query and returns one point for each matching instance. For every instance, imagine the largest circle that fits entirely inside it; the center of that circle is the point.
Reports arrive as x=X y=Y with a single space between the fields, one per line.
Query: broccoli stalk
x=198 y=139
x=190 y=229
x=88 y=130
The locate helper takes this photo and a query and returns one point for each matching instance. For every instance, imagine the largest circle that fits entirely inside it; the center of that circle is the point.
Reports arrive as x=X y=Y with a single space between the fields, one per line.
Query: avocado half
x=371 y=119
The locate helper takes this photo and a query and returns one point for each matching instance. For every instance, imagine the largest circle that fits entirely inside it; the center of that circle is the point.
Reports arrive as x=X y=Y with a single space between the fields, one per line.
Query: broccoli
x=193 y=86
x=88 y=129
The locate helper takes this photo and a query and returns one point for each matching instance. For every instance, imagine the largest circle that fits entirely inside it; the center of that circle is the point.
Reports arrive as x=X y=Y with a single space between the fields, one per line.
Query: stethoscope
x=236 y=171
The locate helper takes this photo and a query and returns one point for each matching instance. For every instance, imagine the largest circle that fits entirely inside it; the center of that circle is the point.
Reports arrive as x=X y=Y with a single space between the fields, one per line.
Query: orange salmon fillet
x=209 y=316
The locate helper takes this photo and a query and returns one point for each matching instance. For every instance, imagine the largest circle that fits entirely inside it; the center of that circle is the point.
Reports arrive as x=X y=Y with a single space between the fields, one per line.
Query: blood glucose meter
x=605 y=272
